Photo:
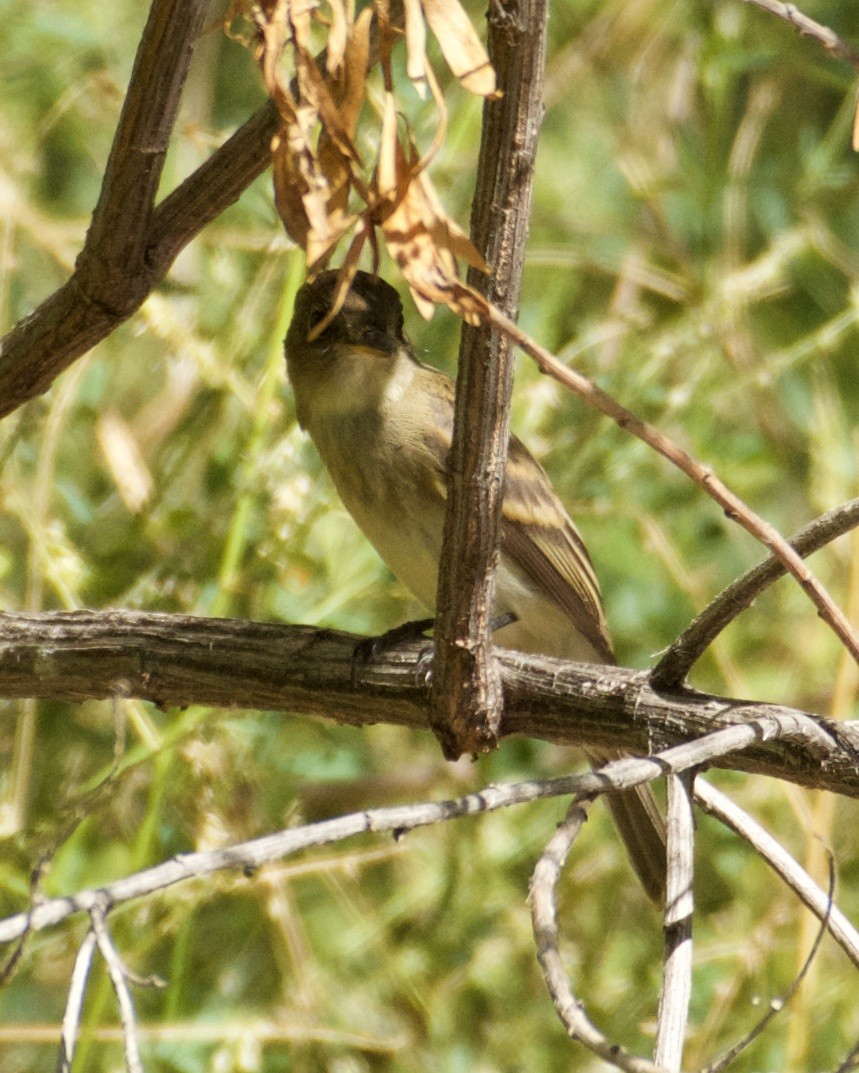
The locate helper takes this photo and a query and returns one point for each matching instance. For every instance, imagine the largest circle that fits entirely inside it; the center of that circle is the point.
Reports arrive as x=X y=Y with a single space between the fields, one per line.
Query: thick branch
x=466 y=695
x=177 y=660
x=112 y=276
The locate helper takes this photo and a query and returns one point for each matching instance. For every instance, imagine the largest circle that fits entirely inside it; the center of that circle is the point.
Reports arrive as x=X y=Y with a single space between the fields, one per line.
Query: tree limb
x=466 y=695
x=177 y=660
x=112 y=275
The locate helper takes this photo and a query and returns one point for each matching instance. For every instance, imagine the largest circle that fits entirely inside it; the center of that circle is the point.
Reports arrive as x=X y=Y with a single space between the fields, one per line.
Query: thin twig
x=677 y=660
x=75 y=1001
x=776 y=1005
x=621 y=774
x=809 y=28
x=717 y=804
x=734 y=507
x=679 y=904
x=618 y=775
x=119 y=978
x=544 y=919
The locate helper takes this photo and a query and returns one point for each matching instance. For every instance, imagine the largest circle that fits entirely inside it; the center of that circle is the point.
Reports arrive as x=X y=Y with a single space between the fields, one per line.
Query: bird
x=382 y=422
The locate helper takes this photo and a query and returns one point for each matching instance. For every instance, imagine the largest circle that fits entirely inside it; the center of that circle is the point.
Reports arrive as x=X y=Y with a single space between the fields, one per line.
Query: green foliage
x=694 y=250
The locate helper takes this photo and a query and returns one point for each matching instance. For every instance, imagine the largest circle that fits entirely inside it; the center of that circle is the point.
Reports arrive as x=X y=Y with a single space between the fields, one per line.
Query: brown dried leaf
x=315 y=90
x=357 y=60
x=289 y=190
x=392 y=166
x=338 y=37
x=416 y=36
x=422 y=239
x=460 y=45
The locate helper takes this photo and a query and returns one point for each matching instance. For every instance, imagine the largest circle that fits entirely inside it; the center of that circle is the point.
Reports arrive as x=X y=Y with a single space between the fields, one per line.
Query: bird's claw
x=369 y=648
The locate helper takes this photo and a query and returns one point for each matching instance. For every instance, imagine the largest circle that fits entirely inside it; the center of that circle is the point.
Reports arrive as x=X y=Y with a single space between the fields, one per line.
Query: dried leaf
x=338 y=36
x=289 y=189
x=390 y=167
x=416 y=45
x=357 y=60
x=421 y=238
x=460 y=45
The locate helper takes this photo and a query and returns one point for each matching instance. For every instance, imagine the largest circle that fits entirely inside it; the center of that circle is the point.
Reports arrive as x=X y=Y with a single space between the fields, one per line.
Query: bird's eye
x=316 y=316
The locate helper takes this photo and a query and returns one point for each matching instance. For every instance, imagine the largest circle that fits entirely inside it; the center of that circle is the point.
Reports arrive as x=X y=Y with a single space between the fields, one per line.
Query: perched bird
x=382 y=423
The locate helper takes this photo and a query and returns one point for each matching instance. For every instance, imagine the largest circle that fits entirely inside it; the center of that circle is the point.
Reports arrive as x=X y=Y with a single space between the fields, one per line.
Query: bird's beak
x=377 y=343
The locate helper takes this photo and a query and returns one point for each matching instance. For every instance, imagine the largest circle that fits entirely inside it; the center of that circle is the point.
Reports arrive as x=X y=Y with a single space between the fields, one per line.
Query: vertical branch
x=466 y=703
x=677 y=975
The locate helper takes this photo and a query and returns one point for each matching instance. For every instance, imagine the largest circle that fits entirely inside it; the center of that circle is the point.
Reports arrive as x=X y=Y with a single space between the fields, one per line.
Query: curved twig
x=809 y=28
x=676 y=662
x=544 y=919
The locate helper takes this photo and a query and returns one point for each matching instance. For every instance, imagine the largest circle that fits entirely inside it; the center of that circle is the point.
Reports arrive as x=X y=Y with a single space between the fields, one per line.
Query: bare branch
x=809 y=28
x=248 y=856
x=177 y=660
x=74 y=1003
x=119 y=979
x=544 y=919
x=466 y=696
x=679 y=903
x=111 y=278
x=717 y=804
x=702 y=475
x=676 y=662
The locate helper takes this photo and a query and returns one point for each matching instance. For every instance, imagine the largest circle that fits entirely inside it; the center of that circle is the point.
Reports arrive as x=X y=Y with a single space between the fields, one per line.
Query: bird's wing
x=539 y=536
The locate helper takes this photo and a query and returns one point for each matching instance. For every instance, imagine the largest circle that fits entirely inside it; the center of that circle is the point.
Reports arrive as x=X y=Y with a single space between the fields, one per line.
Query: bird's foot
x=369 y=648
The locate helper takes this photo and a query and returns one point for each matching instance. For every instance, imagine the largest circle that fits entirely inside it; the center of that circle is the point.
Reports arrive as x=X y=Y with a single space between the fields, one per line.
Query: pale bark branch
x=679 y=904
x=119 y=978
x=544 y=919
x=810 y=28
x=74 y=1002
x=617 y=775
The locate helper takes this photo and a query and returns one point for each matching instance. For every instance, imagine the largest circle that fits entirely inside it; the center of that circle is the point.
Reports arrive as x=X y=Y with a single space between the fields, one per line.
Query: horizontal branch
x=248 y=856
x=178 y=660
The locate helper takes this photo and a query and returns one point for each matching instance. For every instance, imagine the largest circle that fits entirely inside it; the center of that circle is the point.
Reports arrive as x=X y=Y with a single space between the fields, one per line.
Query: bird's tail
x=642 y=829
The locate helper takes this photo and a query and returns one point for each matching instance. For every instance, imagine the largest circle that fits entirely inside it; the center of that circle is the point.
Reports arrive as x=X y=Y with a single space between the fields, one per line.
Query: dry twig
x=544 y=919
x=74 y=1002
x=679 y=903
x=678 y=659
x=834 y=44
x=735 y=509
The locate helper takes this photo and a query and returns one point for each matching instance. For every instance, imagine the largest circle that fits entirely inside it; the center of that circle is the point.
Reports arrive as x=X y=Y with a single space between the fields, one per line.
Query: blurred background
x=695 y=249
